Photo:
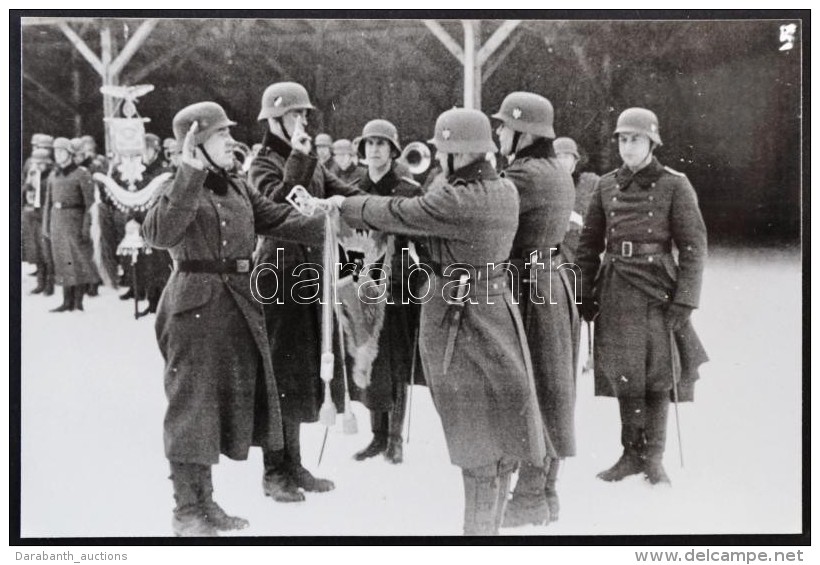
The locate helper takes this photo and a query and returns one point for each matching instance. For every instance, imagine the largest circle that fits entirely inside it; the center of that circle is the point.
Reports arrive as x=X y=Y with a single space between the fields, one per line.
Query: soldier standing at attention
x=546 y=297
x=67 y=225
x=294 y=323
x=343 y=164
x=36 y=249
x=386 y=395
x=566 y=151
x=324 y=152
x=472 y=342
x=222 y=396
x=642 y=297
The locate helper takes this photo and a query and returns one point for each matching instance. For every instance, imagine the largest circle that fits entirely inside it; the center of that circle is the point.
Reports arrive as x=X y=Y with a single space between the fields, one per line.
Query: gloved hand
x=588 y=309
x=677 y=315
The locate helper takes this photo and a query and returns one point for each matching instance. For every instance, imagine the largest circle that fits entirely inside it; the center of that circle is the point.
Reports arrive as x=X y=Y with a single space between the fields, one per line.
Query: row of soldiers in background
x=73 y=228
x=56 y=223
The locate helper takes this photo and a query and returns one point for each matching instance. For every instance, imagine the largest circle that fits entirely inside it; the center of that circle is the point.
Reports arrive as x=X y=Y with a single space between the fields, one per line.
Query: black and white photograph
x=410 y=277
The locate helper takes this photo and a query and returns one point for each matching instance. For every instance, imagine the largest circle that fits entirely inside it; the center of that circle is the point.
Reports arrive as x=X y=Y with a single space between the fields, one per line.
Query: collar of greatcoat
x=479 y=170
x=273 y=142
x=383 y=187
x=643 y=178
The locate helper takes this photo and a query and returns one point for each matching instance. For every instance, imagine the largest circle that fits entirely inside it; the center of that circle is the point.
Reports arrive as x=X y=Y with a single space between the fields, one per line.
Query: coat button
x=651 y=259
x=653 y=186
x=309 y=249
x=611 y=230
x=612 y=213
x=616 y=186
x=224 y=223
x=614 y=198
x=196 y=316
x=651 y=198
x=219 y=205
x=651 y=213
x=689 y=248
x=224 y=242
x=649 y=230
x=623 y=378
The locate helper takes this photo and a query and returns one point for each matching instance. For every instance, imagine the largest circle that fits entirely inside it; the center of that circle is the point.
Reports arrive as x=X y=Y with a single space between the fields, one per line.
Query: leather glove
x=677 y=315
x=588 y=309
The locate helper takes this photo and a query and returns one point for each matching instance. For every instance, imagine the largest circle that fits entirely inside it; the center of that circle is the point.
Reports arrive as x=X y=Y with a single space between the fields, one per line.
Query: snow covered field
x=93 y=466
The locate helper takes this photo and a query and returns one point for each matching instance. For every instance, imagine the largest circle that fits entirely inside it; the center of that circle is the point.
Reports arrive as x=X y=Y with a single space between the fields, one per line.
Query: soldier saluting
x=471 y=339
x=642 y=297
x=222 y=396
x=284 y=161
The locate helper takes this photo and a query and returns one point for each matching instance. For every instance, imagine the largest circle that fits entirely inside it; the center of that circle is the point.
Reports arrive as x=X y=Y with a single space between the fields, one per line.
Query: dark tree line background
x=729 y=100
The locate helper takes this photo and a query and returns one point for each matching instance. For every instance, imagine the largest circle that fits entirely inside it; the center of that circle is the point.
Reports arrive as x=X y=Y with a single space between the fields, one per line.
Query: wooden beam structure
x=473 y=56
x=50 y=95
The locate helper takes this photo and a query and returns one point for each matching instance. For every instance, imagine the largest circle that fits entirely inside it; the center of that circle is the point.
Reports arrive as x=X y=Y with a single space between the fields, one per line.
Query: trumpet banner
x=363 y=292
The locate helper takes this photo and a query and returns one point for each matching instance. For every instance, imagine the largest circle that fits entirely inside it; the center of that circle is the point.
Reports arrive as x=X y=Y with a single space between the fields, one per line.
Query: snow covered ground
x=93 y=465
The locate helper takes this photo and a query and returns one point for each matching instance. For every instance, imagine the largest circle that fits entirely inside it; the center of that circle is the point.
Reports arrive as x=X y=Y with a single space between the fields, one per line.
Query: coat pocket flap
x=191 y=293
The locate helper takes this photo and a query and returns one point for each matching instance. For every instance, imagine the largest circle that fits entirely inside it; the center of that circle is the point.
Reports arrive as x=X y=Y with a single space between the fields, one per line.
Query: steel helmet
x=41 y=155
x=639 y=120
x=169 y=144
x=282 y=97
x=323 y=140
x=88 y=142
x=342 y=147
x=566 y=145
x=152 y=140
x=209 y=115
x=64 y=143
x=381 y=129
x=45 y=141
x=77 y=144
x=528 y=113
x=37 y=139
x=462 y=130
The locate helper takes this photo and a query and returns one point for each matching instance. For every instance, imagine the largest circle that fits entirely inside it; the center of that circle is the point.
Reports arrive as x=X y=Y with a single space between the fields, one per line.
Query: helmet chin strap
x=219 y=169
x=451 y=164
x=281 y=123
x=516 y=138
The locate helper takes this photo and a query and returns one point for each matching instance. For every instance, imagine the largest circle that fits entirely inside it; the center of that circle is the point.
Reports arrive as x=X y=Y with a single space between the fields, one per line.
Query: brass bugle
x=417 y=157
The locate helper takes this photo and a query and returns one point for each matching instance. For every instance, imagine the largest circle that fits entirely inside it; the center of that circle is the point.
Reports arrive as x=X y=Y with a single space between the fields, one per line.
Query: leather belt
x=631 y=249
x=220 y=266
x=61 y=206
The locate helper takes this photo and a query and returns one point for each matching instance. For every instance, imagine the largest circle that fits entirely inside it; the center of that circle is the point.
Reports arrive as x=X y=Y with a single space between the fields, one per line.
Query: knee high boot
x=214 y=513
x=293 y=461
x=79 y=291
x=68 y=300
x=551 y=490
x=657 y=409
x=505 y=470
x=632 y=439
x=277 y=481
x=394 y=452
x=379 y=424
x=41 y=279
x=189 y=519
x=529 y=500
x=481 y=486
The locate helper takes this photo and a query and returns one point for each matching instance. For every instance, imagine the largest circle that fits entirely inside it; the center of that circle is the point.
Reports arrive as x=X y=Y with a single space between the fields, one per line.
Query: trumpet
x=242 y=153
x=417 y=157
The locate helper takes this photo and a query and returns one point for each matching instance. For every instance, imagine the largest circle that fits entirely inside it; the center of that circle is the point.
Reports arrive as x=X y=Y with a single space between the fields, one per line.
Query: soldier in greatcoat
x=294 y=319
x=386 y=394
x=222 y=396
x=567 y=153
x=67 y=225
x=545 y=294
x=37 y=249
x=324 y=148
x=472 y=342
x=343 y=165
x=646 y=350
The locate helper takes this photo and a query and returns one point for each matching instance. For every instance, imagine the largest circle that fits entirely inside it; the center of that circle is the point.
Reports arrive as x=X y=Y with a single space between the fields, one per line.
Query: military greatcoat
x=475 y=355
x=547 y=195
x=222 y=396
x=67 y=224
x=635 y=219
x=294 y=325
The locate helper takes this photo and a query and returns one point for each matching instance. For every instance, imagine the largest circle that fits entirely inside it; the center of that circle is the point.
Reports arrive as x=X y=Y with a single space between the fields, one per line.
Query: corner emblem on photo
x=787 y=32
x=516 y=113
x=653 y=127
x=278 y=101
x=445 y=133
